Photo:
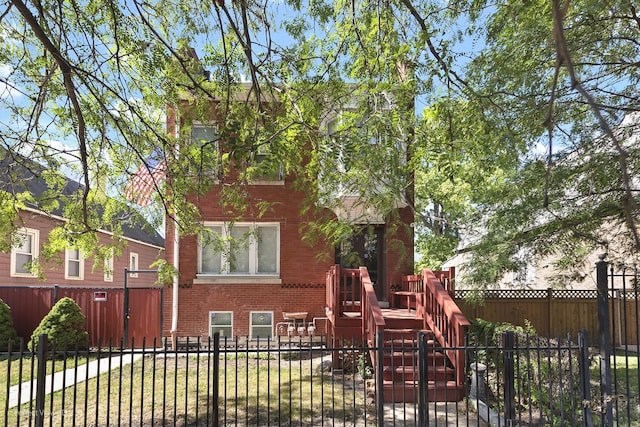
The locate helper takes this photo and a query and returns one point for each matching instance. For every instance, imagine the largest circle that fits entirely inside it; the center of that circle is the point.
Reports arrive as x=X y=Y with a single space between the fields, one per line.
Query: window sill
x=25 y=276
x=235 y=280
x=275 y=182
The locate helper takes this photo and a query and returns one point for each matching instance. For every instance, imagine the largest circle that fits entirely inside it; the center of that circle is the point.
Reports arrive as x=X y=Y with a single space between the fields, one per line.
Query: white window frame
x=253 y=251
x=199 y=125
x=253 y=336
x=134 y=261
x=215 y=129
x=34 y=235
x=108 y=267
x=70 y=257
x=211 y=326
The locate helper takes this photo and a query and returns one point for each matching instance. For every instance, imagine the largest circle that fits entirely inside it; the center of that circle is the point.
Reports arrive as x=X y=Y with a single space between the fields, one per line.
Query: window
x=203 y=135
x=261 y=325
x=242 y=249
x=24 y=252
x=203 y=154
x=74 y=264
x=222 y=322
x=265 y=166
x=108 y=268
x=133 y=264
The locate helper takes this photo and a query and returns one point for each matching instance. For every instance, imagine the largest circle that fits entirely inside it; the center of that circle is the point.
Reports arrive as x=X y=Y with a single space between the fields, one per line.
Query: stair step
x=408 y=323
x=411 y=374
x=408 y=334
x=399 y=359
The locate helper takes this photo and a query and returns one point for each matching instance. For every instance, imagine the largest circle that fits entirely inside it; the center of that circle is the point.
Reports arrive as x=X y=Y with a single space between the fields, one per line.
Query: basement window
x=261 y=325
x=222 y=322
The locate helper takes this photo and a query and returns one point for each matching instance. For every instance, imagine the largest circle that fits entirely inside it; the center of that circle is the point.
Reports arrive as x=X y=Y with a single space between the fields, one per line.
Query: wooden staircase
x=392 y=334
x=401 y=365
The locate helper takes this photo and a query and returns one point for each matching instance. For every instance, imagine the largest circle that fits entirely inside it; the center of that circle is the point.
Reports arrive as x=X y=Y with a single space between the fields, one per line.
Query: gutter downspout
x=176 y=275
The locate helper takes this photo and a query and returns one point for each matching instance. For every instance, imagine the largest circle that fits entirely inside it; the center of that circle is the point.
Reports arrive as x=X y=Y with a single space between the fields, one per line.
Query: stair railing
x=445 y=319
x=373 y=326
x=372 y=319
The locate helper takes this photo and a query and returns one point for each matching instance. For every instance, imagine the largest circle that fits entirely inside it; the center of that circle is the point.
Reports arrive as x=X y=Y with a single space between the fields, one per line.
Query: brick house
x=72 y=268
x=276 y=277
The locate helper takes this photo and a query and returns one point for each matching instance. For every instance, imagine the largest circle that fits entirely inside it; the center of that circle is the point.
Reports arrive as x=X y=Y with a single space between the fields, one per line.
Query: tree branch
x=67 y=72
x=564 y=57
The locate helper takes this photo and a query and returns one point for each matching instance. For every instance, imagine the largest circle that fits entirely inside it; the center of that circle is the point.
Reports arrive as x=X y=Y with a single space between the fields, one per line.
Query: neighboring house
x=533 y=274
x=72 y=268
x=550 y=271
x=253 y=289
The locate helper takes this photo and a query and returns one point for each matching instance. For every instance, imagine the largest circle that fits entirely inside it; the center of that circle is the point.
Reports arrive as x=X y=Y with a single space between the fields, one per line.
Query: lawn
x=625 y=388
x=254 y=389
x=16 y=370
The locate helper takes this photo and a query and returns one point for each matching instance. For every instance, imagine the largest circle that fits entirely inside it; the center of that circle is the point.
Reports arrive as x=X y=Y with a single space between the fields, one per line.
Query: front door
x=365 y=248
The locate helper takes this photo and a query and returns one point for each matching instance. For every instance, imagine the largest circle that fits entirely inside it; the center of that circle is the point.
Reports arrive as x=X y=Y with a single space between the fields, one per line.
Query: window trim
x=251 y=325
x=68 y=260
x=35 y=252
x=134 y=261
x=108 y=268
x=253 y=252
x=211 y=326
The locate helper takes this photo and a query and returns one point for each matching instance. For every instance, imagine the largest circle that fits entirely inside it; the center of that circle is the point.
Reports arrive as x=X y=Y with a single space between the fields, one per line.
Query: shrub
x=64 y=327
x=7 y=330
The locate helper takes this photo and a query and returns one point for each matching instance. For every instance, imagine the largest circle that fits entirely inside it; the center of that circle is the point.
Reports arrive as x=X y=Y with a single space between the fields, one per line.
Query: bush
x=7 y=330
x=64 y=327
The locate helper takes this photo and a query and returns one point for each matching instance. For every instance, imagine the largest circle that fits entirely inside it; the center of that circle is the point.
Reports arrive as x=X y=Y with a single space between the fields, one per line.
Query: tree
x=8 y=335
x=64 y=327
x=479 y=86
x=567 y=81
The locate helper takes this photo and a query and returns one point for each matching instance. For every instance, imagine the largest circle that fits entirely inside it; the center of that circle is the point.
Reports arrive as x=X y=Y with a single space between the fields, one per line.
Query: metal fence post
x=605 y=340
x=125 y=326
x=379 y=377
x=216 y=379
x=508 y=344
x=423 y=380
x=40 y=378
x=585 y=378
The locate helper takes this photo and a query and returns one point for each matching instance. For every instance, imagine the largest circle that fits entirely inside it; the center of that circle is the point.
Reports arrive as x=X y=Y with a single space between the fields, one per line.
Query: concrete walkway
x=25 y=392
x=439 y=415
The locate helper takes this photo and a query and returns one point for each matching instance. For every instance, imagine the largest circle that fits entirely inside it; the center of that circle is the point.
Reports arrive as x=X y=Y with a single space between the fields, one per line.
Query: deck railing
x=343 y=290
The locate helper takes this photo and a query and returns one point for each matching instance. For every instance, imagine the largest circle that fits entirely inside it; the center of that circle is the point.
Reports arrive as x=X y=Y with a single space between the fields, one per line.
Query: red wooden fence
x=104 y=316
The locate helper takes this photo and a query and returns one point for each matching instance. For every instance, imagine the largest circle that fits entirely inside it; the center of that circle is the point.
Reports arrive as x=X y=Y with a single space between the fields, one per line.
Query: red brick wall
x=302 y=275
x=195 y=303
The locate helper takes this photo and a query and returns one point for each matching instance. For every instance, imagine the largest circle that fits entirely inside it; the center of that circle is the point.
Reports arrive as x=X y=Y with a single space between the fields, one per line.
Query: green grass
x=625 y=388
x=20 y=369
x=252 y=390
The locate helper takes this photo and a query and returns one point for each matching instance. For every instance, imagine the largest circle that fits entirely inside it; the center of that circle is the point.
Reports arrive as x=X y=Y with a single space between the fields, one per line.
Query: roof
x=19 y=174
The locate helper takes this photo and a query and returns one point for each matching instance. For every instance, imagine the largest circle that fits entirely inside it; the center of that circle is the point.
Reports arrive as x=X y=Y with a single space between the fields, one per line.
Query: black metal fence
x=518 y=380
x=515 y=377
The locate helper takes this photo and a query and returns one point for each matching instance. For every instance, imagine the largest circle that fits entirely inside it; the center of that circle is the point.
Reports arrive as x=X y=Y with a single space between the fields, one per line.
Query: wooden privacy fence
x=556 y=313
x=104 y=309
